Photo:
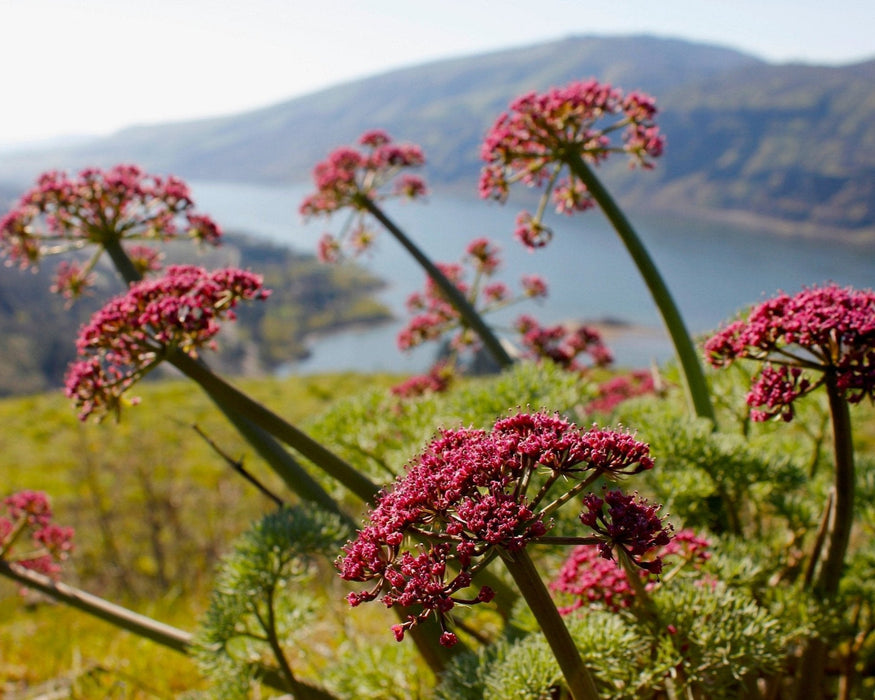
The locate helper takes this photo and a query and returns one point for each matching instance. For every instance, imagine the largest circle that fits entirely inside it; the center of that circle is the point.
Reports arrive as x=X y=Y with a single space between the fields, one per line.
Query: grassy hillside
x=153 y=507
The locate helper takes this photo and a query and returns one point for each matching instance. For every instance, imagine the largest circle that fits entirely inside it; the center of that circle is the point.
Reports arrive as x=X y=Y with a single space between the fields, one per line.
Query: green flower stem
x=842 y=514
x=577 y=675
x=237 y=402
x=128 y=620
x=697 y=387
x=470 y=317
x=282 y=463
x=642 y=604
x=840 y=519
x=122 y=262
x=142 y=626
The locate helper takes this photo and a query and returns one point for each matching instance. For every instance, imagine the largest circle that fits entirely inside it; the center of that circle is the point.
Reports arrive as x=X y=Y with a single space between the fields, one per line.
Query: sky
x=83 y=67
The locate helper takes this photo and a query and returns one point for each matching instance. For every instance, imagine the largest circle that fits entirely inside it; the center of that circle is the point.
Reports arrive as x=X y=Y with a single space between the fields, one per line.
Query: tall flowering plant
x=155 y=321
x=133 y=333
x=551 y=140
x=352 y=179
x=821 y=337
x=434 y=318
x=474 y=495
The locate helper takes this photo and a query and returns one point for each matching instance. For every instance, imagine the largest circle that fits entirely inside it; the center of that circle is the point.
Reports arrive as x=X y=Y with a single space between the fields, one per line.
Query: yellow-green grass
x=153 y=506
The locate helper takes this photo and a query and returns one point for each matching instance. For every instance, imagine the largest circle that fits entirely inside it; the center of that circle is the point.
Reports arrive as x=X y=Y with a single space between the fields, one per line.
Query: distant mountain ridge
x=788 y=146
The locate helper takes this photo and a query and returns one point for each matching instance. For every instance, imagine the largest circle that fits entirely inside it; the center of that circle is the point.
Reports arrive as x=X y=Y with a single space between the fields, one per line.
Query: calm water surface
x=712 y=271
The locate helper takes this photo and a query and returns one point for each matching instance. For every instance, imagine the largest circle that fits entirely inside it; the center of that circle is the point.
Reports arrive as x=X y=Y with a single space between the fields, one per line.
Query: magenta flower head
x=432 y=315
x=437 y=380
x=349 y=178
x=588 y=578
x=563 y=345
x=99 y=207
x=466 y=498
x=135 y=332
x=620 y=388
x=532 y=141
x=822 y=334
x=29 y=538
x=628 y=523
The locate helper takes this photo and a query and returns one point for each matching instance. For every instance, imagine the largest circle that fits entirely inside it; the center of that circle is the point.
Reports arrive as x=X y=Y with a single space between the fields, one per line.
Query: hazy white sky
x=94 y=66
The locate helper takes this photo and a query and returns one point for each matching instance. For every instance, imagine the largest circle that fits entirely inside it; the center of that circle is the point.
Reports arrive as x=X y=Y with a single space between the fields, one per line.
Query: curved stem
x=239 y=403
x=842 y=515
x=580 y=681
x=697 y=387
x=469 y=315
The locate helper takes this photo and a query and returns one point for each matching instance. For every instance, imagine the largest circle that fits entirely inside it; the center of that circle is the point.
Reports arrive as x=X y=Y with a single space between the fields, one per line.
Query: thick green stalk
x=470 y=317
x=697 y=387
x=577 y=675
x=810 y=677
x=122 y=262
x=239 y=403
x=842 y=515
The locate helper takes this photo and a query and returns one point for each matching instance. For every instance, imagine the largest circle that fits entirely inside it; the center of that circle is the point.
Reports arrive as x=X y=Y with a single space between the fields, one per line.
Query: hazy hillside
x=787 y=143
x=446 y=106
x=38 y=329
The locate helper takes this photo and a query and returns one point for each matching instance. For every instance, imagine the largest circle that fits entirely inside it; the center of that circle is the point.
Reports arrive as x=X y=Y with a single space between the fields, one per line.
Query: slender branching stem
x=237 y=466
x=697 y=387
x=580 y=681
x=469 y=315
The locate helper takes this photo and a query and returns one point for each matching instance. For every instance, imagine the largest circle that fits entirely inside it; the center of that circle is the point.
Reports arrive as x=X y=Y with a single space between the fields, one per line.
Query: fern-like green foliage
x=705 y=641
x=382 y=669
x=254 y=609
x=720 y=640
x=719 y=481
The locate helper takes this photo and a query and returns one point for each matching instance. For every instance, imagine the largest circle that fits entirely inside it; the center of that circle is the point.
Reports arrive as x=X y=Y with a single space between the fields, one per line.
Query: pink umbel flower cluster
x=29 y=538
x=629 y=523
x=349 y=177
x=98 y=207
x=433 y=317
x=531 y=142
x=820 y=334
x=588 y=578
x=564 y=345
x=436 y=381
x=473 y=493
x=616 y=390
x=135 y=332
